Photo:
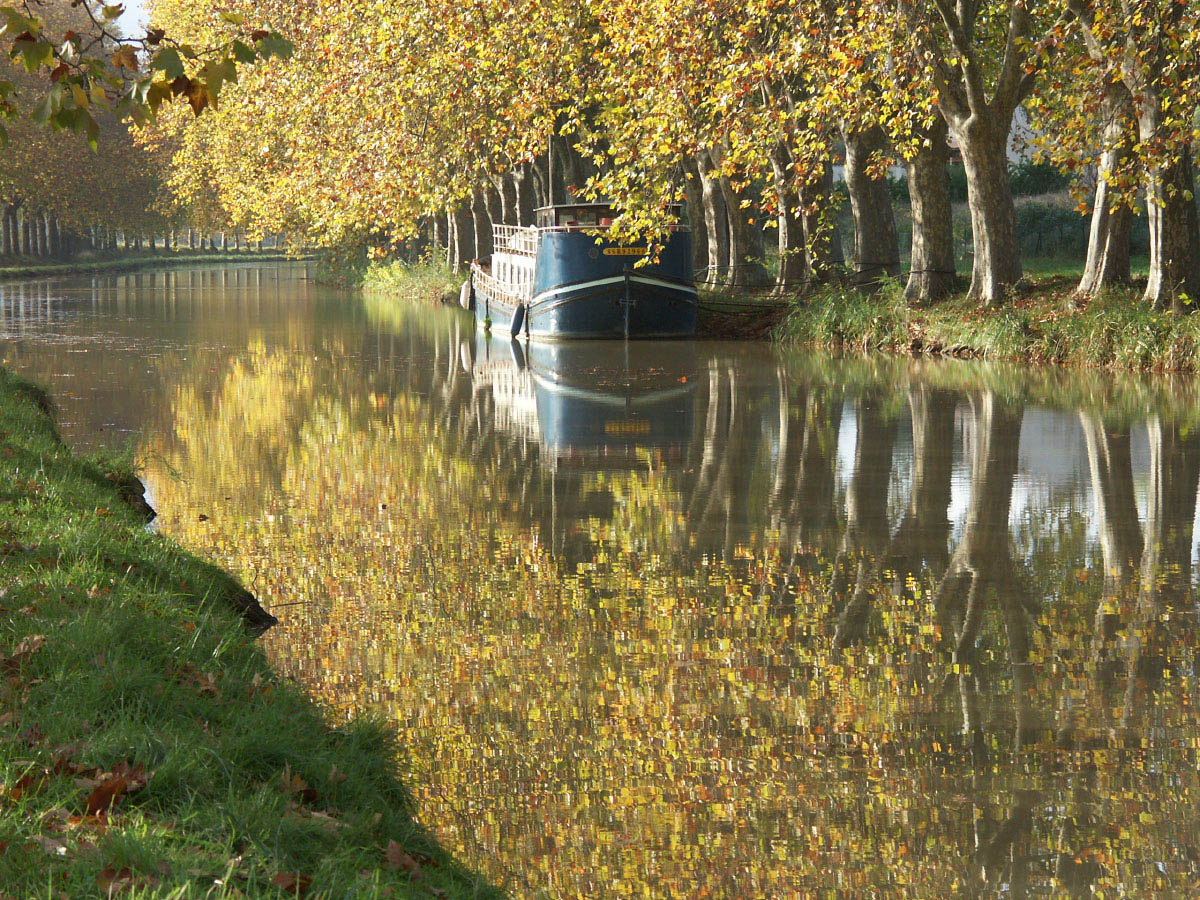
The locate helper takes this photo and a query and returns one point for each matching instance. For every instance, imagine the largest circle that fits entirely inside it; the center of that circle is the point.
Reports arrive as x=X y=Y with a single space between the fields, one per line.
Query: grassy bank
x=146 y=747
x=1042 y=323
x=133 y=263
x=427 y=281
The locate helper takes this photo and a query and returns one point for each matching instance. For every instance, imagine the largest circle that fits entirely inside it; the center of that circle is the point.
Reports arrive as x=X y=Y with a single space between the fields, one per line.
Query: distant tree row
x=440 y=116
x=75 y=70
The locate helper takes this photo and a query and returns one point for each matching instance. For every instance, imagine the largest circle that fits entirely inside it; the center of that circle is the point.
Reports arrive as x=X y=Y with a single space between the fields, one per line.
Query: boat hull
x=588 y=290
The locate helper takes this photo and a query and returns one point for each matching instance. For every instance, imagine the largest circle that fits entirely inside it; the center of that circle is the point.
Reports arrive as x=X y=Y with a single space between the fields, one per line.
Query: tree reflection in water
x=680 y=621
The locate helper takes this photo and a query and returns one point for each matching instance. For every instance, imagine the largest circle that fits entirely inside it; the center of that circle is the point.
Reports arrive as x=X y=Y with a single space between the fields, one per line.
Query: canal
x=702 y=620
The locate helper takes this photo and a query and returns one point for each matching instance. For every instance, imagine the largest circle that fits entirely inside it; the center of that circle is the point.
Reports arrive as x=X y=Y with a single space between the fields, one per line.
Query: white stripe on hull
x=604 y=282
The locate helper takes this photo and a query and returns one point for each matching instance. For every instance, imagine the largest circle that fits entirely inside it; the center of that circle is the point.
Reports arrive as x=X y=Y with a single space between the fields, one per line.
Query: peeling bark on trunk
x=716 y=220
x=932 y=276
x=876 y=243
x=793 y=268
x=695 y=213
x=1174 y=281
x=746 y=269
x=482 y=225
x=996 y=266
x=527 y=201
x=1108 y=240
x=506 y=190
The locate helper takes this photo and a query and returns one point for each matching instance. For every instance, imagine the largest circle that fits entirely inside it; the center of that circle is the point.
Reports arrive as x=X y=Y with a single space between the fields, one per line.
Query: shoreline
x=165 y=260
x=148 y=744
x=1045 y=325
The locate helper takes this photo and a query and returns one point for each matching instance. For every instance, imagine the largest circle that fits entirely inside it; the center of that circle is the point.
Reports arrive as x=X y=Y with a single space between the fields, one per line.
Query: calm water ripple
x=685 y=620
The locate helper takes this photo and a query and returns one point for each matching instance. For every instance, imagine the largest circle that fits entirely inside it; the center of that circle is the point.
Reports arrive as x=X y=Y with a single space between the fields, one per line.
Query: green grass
x=121 y=654
x=429 y=280
x=1041 y=324
x=132 y=262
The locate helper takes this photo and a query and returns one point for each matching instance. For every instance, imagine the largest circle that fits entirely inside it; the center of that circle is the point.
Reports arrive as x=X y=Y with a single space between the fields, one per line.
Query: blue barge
x=562 y=280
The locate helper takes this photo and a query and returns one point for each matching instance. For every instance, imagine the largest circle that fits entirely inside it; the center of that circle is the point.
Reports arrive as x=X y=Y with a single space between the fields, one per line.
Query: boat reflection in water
x=601 y=403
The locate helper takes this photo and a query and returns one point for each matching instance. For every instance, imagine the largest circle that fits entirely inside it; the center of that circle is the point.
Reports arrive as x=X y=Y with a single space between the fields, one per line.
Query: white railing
x=514 y=239
x=503 y=291
x=597 y=229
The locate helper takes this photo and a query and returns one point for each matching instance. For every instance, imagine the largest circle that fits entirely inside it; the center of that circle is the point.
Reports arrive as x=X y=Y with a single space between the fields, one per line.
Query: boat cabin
x=576 y=215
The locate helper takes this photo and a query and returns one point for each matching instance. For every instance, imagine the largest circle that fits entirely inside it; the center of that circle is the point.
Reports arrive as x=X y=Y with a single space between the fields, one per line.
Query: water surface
x=685 y=620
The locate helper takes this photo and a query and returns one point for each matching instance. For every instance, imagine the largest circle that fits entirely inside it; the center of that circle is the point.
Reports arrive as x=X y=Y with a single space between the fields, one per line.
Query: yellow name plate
x=625 y=251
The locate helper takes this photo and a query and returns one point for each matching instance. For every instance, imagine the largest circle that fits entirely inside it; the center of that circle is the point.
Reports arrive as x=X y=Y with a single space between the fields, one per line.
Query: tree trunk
x=451 y=255
x=746 y=269
x=694 y=196
x=1174 y=232
x=509 y=201
x=716 y=220
x=10 y=230
x=932 y=273
x=191 y=239
x=441 y=232
x=464 y=236
x=54 y=237
x=822 y=240
x=541 y=179
x=1108 y=241
x=495 y=205
x=876 y=244
x=996 y=266
x=792 y=262
x=38 y=224
x=482 y=226
x=527 y=201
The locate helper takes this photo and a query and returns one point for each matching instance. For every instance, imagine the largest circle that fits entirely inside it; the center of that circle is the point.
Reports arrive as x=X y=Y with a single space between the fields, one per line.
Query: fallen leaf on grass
x=398 y=858
x=29 y=783
x=294 y=784
x=292 y=884
x=111 y=786
x=28 y=646
x=114 y=881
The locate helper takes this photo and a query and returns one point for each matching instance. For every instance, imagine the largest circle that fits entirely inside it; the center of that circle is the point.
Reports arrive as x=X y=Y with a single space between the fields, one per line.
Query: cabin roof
x=603 y=204
x=573 y=205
